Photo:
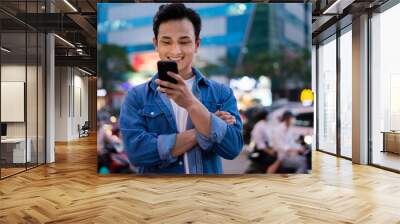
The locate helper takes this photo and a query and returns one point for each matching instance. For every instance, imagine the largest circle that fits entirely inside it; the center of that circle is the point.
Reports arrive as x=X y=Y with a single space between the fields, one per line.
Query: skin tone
x=176 y=41
x=274 y=167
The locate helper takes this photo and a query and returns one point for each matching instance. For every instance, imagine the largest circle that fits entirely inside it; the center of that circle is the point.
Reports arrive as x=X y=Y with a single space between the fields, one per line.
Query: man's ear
x=197 y=44
x=155 y=43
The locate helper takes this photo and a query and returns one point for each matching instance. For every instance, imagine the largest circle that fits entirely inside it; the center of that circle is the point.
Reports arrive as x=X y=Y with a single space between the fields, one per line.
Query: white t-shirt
x=261 y=134
x=283 y=139
x=180 y=113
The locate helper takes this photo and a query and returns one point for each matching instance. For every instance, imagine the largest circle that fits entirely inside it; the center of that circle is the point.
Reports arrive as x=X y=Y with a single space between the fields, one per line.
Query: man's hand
x=184 y=142
x=179 y=92
x=226 y=116
x=184 y=97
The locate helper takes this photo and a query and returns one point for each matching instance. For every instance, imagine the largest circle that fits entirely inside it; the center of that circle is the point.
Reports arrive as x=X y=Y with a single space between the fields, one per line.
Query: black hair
x=262 y=115
x=176 y=11
x=287 y=115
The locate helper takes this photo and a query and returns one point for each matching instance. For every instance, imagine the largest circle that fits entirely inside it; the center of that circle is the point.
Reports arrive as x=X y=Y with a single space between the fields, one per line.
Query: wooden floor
x=10 y=171
x=387 y=159
x=70 y=191
x=5 y=172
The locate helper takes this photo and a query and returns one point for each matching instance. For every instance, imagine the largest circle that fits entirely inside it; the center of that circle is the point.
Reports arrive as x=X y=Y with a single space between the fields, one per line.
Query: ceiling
x=76 y=25
x=328 y=15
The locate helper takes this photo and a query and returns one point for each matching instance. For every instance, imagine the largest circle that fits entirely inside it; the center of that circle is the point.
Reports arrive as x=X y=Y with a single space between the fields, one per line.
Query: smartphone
x=167 y=66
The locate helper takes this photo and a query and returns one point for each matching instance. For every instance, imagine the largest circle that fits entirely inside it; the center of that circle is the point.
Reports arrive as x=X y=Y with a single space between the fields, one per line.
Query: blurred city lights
x=113 y=119
x=308 y=139
x=307 y=97
x=237 y=9
x=244 y=84
x=101 y=92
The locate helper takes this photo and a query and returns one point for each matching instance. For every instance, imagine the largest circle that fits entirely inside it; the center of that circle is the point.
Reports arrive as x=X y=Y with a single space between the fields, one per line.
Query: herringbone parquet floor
x=70 y=191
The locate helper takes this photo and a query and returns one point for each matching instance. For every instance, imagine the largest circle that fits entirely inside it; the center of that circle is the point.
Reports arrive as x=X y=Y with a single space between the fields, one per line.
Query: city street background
x=262 y=51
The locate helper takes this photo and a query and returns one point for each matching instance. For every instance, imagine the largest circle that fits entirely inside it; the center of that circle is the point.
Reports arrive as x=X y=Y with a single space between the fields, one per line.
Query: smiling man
x=182 y=128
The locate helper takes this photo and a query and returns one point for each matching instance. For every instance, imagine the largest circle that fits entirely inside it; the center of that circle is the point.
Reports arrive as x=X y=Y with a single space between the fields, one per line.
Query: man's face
x=177 y=42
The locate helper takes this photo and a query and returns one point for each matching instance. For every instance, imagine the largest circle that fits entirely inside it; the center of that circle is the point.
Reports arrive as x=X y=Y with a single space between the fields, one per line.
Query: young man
x=184 y=127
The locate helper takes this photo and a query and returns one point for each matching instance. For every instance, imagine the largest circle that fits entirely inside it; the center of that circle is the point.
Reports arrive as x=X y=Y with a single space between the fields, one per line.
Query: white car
x=304 y=119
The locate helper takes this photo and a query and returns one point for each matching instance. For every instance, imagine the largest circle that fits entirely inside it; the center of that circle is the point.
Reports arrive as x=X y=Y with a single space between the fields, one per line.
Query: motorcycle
x=261 y=160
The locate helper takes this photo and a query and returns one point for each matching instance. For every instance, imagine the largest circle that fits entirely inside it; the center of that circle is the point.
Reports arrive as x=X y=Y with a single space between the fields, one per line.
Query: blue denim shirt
x=149 y=128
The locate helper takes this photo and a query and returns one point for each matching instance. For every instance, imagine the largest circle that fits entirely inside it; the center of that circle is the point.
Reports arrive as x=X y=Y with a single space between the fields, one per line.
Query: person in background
x=284 y=142
x=263 y=155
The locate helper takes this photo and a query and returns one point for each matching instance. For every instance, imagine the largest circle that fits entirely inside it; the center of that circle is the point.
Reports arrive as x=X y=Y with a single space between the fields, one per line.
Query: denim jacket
x=149 y=129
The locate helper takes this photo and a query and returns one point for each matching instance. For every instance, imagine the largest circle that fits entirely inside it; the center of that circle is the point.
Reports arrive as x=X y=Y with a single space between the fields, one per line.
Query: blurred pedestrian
x=263 y=155
x=284 y=142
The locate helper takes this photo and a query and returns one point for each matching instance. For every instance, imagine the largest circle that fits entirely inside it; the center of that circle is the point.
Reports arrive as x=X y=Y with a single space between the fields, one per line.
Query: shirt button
x=152 y=113
x=180 y=163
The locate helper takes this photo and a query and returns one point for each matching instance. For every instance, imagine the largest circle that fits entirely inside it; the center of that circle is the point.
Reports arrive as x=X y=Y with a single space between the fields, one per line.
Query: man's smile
x=176 y=59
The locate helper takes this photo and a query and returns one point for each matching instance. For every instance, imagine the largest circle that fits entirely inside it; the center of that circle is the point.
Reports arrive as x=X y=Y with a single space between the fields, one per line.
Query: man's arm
x=184 y=142
x=199 y=114
x=184 y=97
x=146 y=148
x=225 y=138
x=211 y=130
x=201 y=117
x=187 y=139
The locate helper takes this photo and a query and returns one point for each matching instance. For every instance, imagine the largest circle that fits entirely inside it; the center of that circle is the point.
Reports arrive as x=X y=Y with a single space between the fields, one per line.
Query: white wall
x=33 y=126
x=71 y=94
x=80 y=96
x=61 y=103
x=13 y=73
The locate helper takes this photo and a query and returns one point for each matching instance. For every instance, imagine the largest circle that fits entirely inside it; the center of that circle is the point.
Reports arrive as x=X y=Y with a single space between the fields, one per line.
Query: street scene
x=262 y=52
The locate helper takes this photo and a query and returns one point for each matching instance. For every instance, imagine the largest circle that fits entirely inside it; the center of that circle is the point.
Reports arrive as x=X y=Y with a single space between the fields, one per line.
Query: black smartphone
x=167 y=66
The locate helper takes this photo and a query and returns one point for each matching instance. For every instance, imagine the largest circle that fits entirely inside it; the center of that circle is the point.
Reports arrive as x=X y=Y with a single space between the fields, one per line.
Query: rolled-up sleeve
x=218 y=131
x=165 y=144
x=226 y=140
x=142 y=147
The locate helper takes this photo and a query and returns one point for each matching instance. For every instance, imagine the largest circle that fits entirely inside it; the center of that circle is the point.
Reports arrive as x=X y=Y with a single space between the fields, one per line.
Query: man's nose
x=175 y=49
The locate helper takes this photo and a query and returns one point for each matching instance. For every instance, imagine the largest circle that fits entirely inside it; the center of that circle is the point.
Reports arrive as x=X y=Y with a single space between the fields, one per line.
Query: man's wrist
x=193 y=106
x=190 y=136
x=193 y=136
